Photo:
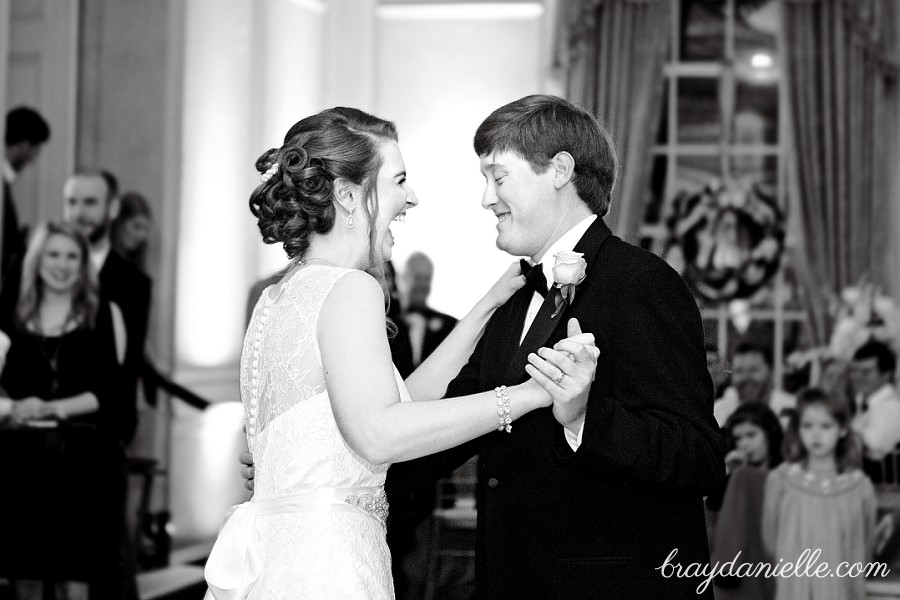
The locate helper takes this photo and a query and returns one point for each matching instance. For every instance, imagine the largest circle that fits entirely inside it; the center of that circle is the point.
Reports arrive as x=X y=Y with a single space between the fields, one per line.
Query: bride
x=326 y=411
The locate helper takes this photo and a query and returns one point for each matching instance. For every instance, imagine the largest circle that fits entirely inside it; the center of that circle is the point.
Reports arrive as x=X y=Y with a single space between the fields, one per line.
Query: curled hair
x=86 y=293
x=848 y=453
x=762 y=416
x=298 y=199
x=538 y=127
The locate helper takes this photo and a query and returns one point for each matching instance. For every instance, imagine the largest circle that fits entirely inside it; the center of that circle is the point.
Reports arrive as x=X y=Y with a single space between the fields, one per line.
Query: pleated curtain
x=841 y=83
x=611 y=54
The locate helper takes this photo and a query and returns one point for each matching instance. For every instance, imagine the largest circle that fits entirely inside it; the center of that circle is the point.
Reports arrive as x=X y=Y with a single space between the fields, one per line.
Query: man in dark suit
x=26 y=133
x=91 y=203
x=427 y=327
x=586 y=499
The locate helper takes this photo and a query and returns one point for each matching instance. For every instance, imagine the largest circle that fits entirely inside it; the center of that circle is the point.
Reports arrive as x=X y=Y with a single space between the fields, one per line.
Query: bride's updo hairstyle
x=296 y=198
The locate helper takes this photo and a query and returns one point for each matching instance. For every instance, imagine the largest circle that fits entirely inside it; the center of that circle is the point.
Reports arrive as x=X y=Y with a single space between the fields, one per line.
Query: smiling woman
x=67 y=344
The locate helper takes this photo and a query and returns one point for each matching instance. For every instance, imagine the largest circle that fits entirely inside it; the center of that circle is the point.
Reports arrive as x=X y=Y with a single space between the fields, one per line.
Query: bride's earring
x=351 y=222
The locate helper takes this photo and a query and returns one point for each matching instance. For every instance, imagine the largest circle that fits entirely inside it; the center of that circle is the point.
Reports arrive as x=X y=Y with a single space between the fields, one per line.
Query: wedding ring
x=559 y=379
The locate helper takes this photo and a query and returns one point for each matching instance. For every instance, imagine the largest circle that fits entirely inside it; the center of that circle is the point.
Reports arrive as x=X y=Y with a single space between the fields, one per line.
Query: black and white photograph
x=450 y=300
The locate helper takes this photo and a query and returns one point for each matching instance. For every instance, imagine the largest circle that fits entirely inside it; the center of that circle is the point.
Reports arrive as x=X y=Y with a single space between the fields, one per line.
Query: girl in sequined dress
x=819 y=504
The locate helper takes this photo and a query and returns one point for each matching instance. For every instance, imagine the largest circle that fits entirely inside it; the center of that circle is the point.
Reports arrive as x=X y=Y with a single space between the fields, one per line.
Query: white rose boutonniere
x=569 y=270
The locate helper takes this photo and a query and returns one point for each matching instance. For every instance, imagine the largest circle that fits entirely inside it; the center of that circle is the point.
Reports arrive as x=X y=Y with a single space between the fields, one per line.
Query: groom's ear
x=563 y=166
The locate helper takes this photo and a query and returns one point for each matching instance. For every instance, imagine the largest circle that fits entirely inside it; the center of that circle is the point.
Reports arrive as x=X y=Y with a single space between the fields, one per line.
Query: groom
x=585 y=500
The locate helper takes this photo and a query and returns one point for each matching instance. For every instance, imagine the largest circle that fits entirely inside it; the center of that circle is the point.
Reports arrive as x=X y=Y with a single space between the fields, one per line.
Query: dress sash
x=235 y=563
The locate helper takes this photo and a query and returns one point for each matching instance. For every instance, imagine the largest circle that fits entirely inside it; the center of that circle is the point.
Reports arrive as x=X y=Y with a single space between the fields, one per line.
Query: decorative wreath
x=731 y=239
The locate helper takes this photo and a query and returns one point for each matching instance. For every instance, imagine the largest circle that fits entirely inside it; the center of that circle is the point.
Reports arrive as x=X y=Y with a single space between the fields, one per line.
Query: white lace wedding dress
x=315 y=526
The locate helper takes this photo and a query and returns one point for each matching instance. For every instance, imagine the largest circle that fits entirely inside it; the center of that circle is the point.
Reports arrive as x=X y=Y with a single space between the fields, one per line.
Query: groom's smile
x=522 y=200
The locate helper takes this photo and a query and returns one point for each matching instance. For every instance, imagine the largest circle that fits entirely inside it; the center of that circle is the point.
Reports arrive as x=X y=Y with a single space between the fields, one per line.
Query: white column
x=350 y=65
x=292 y=40
x=4 y=61
x=215 y=254
x=251 y=70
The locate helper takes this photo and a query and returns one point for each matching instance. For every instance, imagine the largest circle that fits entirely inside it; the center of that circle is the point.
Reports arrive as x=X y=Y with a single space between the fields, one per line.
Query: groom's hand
x=566 y=372
x=248 y=472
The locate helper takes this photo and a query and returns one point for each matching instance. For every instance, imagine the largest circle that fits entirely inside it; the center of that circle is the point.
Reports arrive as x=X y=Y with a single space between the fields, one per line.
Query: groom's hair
x=540 y=126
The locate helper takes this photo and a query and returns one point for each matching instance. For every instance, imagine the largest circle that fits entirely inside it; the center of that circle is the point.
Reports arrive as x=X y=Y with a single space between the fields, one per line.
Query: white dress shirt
x=99 y=252
x=879 y=427
x=564 y=244
x=9 y=174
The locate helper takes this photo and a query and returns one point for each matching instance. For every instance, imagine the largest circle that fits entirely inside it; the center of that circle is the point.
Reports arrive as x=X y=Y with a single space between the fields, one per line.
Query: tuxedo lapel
x=538 y=333
x=510 y=331
x=544 y=324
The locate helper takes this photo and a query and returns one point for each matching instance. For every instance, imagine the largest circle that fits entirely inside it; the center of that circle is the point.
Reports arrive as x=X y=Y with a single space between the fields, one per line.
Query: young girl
x=757 y=438
x=819 y=500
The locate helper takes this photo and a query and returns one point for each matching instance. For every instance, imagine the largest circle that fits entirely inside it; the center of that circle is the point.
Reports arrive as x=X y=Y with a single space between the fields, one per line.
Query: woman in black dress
x=66 y=349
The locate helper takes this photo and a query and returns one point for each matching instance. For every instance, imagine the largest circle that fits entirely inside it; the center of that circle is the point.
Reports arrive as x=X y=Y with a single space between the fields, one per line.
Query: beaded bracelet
x=503 y=414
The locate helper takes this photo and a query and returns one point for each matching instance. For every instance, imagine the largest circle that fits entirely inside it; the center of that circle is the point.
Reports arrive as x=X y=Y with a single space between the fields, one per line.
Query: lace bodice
x=291 y=429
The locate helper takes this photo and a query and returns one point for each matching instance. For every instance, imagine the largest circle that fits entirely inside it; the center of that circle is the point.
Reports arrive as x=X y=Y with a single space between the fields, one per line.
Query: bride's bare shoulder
x=355 y=291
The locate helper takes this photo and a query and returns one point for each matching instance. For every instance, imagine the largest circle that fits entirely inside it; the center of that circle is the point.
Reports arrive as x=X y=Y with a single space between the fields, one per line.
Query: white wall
x=442 y=68
x=435 y=68
x=291 y=35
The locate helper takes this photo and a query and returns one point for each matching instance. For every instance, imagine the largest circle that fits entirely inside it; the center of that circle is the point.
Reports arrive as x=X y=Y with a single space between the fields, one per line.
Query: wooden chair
x=453 y=522
x=885 y=475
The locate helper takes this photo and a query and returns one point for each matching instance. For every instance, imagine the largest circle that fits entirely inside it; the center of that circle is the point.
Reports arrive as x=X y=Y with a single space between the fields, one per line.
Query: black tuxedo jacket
x=123 y=283
x=13 y=246
x=438 y=326
x=596 y=523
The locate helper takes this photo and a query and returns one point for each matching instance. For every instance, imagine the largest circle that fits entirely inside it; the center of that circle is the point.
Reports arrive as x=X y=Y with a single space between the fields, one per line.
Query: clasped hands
x=566 y=373
x=32 y=408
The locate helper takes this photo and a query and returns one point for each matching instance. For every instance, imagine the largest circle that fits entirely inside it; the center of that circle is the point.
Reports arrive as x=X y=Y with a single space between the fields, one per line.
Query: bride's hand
x=509 y=283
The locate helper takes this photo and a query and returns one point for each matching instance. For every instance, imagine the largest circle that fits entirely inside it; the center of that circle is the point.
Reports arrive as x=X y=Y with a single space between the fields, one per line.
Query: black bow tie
x=534 y=277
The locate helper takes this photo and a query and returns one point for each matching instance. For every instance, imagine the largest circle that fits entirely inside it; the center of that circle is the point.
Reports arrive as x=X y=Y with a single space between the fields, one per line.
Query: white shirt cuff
x=574 y=439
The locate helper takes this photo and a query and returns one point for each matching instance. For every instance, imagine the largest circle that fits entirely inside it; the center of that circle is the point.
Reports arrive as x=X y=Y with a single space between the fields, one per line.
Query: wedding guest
x=91 y=203
x=131 y=229
x=757 y=437
x=64 y=360
x=26 y=134
x=427 y=327
x=877 y=419
x=421 y=329
x=401 y=351
x=68 y=345
x=835 y=379
x=752 y=382
x=820 y=500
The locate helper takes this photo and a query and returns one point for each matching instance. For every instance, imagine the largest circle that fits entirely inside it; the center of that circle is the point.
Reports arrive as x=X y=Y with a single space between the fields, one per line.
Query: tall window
x=724 y=119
